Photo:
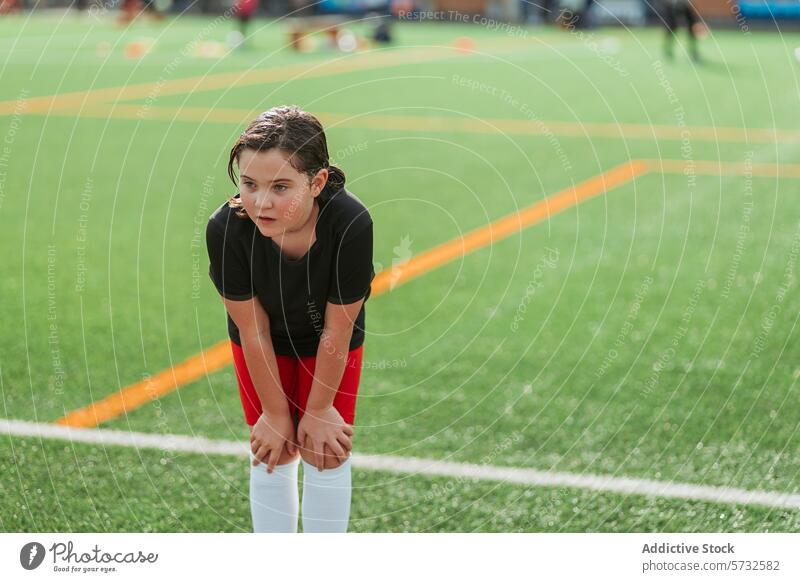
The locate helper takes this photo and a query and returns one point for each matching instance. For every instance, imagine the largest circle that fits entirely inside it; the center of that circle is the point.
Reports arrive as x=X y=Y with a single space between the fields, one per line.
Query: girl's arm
x=274 y=431
x=321 y=423
x=334 y=346
x=253 y=323
x=229 y=269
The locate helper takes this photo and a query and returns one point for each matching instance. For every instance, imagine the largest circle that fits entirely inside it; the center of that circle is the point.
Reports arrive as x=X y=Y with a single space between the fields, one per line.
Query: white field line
x=416 y=466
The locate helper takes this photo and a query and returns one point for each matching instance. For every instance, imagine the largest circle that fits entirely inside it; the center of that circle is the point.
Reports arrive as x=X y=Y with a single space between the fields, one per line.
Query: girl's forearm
x=263 y=367
x=332 y=353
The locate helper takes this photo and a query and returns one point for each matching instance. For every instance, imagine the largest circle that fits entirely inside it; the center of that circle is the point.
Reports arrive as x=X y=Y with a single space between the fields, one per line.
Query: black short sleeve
x=352 y=272
x=228 y=267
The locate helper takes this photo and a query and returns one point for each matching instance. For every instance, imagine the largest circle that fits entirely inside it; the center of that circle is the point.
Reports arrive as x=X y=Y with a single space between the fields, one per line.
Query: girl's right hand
x=269 y=436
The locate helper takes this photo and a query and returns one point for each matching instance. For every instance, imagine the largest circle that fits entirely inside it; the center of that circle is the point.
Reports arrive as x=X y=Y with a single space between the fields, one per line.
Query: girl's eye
x=280 y=187
x=249 y=184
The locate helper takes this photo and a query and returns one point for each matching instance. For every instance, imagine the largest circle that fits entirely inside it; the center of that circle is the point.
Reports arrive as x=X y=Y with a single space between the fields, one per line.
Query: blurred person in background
x=7 y=6
x=244 y=12
x=529 y=12
x=132 y=9
x=152 y=9
x=673 y=12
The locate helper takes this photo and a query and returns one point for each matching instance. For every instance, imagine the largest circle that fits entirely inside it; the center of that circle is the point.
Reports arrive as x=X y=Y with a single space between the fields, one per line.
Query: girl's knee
x=287 y=458
x=331 y=460
x=284 y=459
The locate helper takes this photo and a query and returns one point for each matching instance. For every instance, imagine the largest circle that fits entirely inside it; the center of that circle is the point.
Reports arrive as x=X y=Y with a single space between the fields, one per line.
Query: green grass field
x=655 y=332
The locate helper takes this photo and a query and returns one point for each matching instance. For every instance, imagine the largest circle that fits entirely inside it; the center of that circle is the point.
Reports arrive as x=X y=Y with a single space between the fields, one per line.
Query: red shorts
x=296 y=376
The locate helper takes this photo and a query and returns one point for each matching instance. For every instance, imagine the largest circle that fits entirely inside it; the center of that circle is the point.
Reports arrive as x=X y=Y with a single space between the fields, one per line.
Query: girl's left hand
x=325 y=427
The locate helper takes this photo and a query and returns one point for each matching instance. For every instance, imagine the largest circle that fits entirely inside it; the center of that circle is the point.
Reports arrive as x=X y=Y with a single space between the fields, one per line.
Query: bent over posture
x=291 y=256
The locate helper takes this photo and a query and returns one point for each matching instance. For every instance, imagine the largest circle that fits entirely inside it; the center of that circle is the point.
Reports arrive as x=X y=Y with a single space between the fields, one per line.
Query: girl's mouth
x=265 y=220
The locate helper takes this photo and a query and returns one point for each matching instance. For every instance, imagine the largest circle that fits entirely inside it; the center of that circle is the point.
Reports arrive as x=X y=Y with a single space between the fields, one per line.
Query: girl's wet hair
x=295 y=132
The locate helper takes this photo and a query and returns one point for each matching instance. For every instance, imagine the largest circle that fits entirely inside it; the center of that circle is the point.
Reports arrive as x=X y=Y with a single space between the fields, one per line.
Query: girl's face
x=278 y=198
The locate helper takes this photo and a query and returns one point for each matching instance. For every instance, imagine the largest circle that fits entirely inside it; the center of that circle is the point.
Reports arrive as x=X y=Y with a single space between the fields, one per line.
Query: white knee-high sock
x=274 y=501
x=326 y=498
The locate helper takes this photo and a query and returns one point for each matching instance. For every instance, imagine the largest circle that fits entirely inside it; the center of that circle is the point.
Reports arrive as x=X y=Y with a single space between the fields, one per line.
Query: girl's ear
x=319 y=181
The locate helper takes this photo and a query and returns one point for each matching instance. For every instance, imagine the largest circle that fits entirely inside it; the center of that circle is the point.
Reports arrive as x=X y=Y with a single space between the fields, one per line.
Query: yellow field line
x=440 y=123
x=236 y=116
x=569 y=128
x=219 y=355
x=78 y=99
x=721 y=168
x=109 y=102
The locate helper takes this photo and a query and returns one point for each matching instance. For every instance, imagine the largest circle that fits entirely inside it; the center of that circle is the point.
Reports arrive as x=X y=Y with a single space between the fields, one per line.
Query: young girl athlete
x=291 y=256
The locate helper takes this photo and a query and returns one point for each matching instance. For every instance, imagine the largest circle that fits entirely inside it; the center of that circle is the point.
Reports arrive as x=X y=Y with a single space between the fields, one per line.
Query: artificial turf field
x=646 y=332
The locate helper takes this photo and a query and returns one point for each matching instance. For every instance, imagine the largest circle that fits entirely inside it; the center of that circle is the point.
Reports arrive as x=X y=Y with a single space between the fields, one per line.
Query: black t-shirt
x=337 y=269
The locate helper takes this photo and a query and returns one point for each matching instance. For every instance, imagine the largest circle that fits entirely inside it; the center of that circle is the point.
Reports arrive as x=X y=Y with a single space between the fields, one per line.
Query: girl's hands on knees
x=269 y=436
x=321 y=427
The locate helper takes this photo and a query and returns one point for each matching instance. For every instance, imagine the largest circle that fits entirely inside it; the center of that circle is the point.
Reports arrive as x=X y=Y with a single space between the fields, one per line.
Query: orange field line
x=219 y=355
x=135 y=395
x=500 y=229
